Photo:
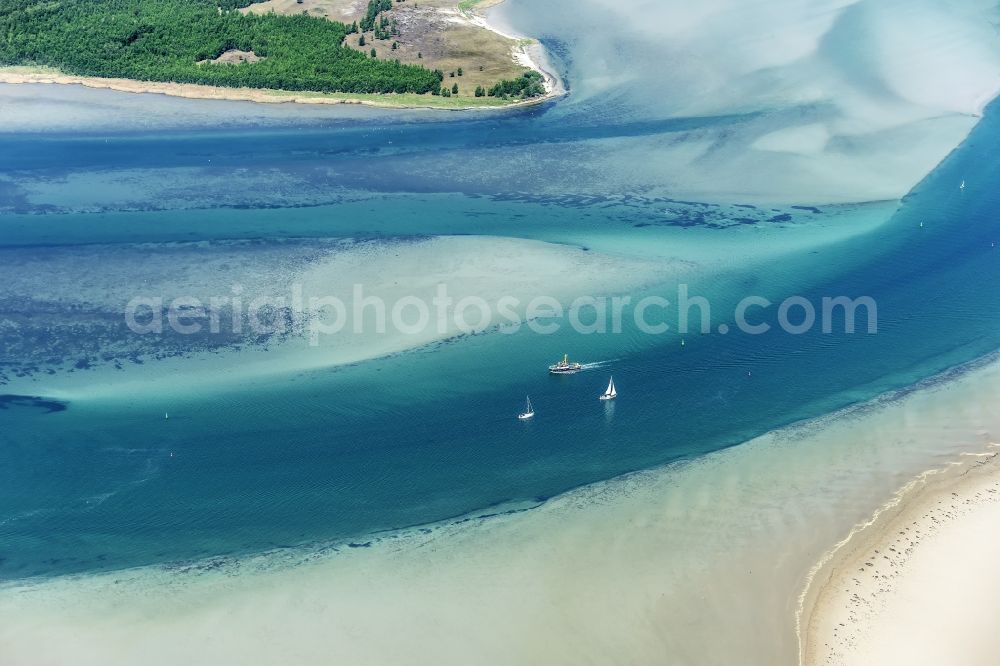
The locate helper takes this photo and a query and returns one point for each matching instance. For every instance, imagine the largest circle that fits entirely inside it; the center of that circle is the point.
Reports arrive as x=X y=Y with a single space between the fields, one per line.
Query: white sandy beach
x=698 y=563
x=920 y=585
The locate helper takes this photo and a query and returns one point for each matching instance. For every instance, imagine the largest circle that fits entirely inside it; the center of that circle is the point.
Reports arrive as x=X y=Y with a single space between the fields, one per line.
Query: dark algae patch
x=49 y=405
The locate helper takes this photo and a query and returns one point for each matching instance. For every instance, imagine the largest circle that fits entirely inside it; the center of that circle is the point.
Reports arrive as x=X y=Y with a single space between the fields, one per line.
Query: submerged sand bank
x=391 y=271
x=919 y=585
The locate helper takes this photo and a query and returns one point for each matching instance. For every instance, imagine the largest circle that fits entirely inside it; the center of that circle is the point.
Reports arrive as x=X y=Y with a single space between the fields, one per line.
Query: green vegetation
x=467 y=5
x=236 y=4
x=526 y=86
x=375 y=7
x=170 y=40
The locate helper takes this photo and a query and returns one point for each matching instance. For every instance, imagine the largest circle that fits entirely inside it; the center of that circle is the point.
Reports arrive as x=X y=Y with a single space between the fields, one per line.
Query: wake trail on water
x=597 y=365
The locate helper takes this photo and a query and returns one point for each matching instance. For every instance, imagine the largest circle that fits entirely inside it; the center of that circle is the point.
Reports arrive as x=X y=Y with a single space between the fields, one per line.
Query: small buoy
x=683 y=342
x=921 y=225
x=166 y=416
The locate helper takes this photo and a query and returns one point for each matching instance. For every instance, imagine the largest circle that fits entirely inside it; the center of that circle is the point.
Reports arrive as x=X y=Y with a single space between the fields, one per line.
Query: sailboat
x=528 y=413
x=962 y=186
x=611 y=393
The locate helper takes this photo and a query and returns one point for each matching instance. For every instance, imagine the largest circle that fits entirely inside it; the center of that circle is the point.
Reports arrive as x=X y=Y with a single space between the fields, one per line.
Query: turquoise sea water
x=429 y=435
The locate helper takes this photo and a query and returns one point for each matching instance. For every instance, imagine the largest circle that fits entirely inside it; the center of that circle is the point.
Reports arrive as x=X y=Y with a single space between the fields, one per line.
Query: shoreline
x=527 y=53
x=17 y=76
x=854 y=612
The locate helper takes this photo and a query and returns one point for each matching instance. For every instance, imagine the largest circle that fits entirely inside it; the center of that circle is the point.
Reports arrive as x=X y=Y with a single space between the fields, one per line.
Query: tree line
x=525 y=86
x=375 y=7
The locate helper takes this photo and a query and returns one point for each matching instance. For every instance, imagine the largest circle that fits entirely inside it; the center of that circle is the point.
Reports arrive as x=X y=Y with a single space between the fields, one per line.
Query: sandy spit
x=918 y=585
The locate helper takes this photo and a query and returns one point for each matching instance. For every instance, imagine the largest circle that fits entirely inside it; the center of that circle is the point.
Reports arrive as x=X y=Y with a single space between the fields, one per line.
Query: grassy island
x=243 y=44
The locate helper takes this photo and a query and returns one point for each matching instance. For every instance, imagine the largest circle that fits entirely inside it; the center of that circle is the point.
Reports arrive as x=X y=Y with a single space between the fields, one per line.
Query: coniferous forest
x=170 y=40
x=528 y=84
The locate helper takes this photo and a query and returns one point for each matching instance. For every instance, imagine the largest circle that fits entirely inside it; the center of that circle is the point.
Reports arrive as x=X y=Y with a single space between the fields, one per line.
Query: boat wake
x=597 y=365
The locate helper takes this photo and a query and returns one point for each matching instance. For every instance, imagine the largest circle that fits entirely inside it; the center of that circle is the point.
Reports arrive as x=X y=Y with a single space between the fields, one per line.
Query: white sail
x=529 y=412
x=611 y=393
